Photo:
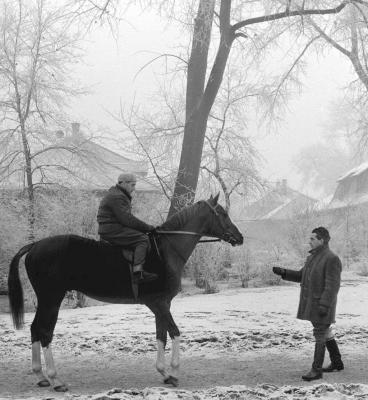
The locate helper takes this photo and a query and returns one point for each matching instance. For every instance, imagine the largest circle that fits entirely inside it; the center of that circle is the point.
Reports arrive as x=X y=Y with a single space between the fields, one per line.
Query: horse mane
x=179 y=219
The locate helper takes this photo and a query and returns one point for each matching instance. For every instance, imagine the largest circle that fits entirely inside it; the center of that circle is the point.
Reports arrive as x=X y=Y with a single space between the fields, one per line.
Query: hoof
x=171 y=380
x=43 y=383
x=61 y=388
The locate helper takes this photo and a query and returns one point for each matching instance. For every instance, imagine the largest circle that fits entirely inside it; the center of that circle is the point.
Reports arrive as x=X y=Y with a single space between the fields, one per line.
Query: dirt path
x=248 y=337
x=90 y=375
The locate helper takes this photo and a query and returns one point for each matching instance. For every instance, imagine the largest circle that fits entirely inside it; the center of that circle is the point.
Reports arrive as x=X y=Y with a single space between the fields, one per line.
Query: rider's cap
x=126 y=177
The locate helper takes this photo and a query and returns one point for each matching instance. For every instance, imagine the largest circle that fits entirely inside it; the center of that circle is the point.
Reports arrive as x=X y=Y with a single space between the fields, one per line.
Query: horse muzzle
x=234 y=240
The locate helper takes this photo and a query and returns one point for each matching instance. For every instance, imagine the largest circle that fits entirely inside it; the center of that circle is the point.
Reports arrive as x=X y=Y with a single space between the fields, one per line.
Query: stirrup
x=143 y=277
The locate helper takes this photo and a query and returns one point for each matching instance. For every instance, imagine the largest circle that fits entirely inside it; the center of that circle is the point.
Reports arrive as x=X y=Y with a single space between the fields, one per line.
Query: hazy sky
x=111 y=65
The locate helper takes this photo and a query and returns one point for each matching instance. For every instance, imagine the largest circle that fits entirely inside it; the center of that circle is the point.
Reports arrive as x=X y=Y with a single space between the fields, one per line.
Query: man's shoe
x=319 y=355
x=312 y=375
x=143 y=277
x=334 y=366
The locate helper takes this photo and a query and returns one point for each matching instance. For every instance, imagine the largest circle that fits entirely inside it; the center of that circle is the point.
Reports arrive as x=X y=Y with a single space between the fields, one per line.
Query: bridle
x=217 y=239
x=164 y=232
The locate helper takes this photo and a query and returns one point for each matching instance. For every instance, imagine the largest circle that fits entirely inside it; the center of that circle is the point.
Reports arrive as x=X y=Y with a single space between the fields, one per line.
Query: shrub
x=207 y=265
x=244 y=265
x=361 y=267
x=13 y=232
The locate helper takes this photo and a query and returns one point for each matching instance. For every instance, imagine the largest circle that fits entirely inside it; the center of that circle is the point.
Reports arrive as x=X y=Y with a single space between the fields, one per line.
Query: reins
x=195 y=233
x=189 y=233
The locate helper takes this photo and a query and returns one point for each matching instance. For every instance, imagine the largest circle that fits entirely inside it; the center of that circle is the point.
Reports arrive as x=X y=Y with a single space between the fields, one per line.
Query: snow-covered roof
x=88 y=166
x=276 y=210
x=355 y=171
x=349 y=202
x=279 y=203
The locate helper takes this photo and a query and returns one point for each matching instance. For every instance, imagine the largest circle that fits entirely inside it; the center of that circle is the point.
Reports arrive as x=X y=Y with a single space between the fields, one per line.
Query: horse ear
x=215 y=199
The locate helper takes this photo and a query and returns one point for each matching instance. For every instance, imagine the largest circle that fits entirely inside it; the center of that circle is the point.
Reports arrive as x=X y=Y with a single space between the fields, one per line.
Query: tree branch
x=287 y=74
x=166 y=55
x=329 y=39
x=288 y=13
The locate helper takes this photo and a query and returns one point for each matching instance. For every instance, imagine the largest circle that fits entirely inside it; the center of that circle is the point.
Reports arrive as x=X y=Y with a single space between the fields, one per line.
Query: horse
x=58 y=264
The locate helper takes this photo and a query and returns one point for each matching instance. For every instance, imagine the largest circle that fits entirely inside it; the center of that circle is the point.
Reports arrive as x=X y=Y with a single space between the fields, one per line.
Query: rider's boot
x=141 y=276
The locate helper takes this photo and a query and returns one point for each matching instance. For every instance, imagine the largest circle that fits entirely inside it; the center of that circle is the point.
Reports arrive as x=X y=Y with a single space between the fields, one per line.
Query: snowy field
x=236 y=344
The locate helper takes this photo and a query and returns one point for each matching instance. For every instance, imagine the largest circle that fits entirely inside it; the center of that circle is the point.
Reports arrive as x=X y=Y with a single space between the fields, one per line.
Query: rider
x=117 y=225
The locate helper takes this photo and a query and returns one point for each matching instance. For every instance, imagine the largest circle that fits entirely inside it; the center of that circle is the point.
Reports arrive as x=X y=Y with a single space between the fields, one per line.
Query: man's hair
x=322 y=233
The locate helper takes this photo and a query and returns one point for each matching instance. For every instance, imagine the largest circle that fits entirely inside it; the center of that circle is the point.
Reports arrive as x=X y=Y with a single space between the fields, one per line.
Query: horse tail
x=15 y=291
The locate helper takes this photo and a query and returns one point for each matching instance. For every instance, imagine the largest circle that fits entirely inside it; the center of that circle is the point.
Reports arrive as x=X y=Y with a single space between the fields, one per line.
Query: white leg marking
x=175 y=355
x=36 y=363
x=160 y=361
x=51 y=370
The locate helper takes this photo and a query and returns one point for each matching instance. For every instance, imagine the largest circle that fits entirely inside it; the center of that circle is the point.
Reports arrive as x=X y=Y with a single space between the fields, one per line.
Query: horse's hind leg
x=47 y=313
x=37 y=366
x=36 y=354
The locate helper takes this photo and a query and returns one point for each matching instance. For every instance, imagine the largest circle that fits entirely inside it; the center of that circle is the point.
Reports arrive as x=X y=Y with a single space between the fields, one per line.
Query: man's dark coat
x=115 y=217
x=320 y=282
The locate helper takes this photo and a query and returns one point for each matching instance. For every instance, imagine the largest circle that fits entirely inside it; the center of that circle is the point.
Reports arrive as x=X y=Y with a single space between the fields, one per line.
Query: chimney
x=75 y=129
x=59 y=134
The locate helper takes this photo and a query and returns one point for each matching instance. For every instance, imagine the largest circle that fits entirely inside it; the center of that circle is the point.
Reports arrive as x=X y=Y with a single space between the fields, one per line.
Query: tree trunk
x=199 y=103
x=30 y=190
x=187 y=177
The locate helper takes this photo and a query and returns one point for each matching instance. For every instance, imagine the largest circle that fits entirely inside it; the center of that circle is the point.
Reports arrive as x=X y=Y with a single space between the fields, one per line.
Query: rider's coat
x=115 y=214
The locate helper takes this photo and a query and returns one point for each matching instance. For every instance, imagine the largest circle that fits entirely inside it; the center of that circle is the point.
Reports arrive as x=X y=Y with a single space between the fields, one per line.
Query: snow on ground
x=236 y=344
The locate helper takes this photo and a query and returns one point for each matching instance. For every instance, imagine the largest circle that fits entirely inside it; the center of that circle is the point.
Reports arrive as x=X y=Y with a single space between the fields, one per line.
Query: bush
x=56 y=212
x=66 y=212
x=244 y=265
x=13 y=232
x=207 y=265
x=361 y=267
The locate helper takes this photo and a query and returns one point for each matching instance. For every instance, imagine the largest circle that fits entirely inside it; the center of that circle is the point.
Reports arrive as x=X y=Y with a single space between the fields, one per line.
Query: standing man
x=320 y=282
x=117 y=225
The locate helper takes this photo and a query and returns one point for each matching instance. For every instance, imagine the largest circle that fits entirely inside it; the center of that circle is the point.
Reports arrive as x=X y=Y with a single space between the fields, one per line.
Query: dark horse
x=58 y=264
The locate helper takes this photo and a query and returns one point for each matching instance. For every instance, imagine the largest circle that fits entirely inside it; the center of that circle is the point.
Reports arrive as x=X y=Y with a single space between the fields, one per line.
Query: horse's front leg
x=165 y=323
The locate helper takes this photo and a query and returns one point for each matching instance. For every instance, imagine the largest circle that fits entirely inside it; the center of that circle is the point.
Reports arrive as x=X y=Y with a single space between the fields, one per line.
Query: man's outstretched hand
x=279 y=271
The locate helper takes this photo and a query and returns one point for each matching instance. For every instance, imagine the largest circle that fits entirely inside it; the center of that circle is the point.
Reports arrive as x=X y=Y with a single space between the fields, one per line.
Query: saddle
x=128 y=255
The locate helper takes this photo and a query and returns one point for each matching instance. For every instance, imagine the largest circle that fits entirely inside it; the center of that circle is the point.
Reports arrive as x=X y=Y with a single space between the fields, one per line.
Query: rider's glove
x=151 y=229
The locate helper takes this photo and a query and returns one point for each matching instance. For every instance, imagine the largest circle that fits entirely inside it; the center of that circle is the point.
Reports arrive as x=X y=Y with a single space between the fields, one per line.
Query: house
x=352 y=188
x=74 y=161
x=279 y=203
x=266 y=220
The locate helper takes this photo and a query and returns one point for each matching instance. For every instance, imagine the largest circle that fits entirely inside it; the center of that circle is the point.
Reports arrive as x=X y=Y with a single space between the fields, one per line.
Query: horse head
x=221 y=225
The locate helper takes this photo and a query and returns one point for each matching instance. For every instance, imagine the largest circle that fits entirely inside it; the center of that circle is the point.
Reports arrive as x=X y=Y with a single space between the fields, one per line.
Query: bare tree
x=217 y=26
x=202 y=91
x=38 y=47
x=349 y=36
x=229 y=158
